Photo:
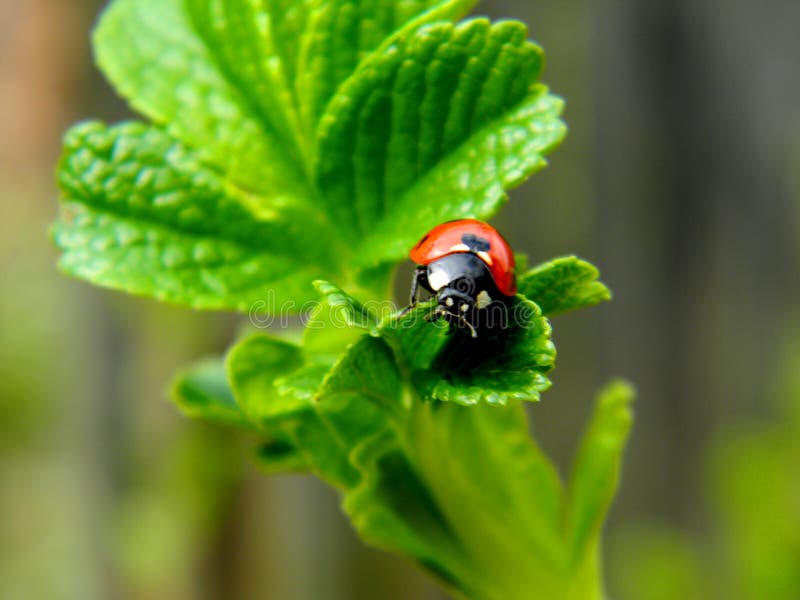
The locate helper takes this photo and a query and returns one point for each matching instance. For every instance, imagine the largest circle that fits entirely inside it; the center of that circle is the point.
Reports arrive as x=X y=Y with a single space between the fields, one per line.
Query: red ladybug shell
x=470 y=235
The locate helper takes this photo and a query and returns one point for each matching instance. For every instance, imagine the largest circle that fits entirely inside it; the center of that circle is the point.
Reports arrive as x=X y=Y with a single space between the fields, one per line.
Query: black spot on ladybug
x=475 y=243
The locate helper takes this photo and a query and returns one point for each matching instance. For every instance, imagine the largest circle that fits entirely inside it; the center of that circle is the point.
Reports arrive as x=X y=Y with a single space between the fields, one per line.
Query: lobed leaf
x=433 y=127
x=152 y=53
x=341 y=33
x=143 y=214
x=507 y=363
x=255 y=46
x=563 y=284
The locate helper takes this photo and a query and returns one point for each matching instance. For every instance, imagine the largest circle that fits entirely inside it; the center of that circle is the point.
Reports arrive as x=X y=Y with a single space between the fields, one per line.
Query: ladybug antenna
x=473 y=332
x=440 y=311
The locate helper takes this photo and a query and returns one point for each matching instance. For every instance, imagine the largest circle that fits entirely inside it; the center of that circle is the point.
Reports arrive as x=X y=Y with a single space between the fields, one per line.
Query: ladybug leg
x=437 y=313
x=419 y=273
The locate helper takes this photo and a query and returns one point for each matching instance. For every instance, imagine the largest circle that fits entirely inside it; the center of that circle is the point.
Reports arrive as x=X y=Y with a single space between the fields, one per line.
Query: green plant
x=299 y=142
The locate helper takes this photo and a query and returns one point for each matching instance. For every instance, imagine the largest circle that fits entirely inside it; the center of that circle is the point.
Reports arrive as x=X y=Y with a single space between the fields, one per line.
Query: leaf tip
x=323 y=286
x=617 y=398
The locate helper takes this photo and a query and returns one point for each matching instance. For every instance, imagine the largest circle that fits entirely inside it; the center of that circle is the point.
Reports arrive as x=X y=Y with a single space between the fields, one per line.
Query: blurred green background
x=679 y=178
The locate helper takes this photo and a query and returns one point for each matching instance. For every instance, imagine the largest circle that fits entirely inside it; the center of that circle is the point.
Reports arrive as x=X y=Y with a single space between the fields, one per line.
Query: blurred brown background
x=679 y=179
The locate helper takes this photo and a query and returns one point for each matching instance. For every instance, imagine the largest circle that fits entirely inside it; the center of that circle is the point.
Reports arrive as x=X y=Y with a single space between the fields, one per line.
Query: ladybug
x=468 y=266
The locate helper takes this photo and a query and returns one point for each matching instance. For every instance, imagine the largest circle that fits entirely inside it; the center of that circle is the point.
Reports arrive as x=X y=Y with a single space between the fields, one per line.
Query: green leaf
x=324 y=413
x=501 y=496
x=595 y=474
x=362 y=401
x=347 y=311
x=366 y=371
x=504 y=362
x=280 y=456
x=265 y=375
x=563 y=284
x=202 y=392
x=507 y=362
x=431 y=128
x=152 y=53
x=143 y=214
x=254 y=365
x=392 y=508
x=341 y=33
x=327 y=334
x=255 y=45
x=418 y=339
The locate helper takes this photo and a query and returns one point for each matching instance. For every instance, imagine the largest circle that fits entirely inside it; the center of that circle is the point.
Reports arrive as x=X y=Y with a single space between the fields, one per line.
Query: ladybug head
x=456 y=303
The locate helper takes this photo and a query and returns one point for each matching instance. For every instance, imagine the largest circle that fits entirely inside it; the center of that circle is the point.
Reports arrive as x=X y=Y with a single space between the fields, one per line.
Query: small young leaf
x=507 y=362
x=143 y=214
x=202 y=392
x=324 y=412
x=254 y=364
x=302 y=383
x=327 y=334
x=349 y=311
x=419 y=339
x=264 y=376
x=367 y=374
x=596 y=471
x=563 y=284
x=351 y=405
x=432 y=128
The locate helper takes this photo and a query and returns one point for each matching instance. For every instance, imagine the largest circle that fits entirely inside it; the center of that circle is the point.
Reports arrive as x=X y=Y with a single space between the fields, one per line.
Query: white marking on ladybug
x=449 y=302
x=485 y=257
x=483 y=300
x=464 y=308
x=437 y=280
x=459 y=248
